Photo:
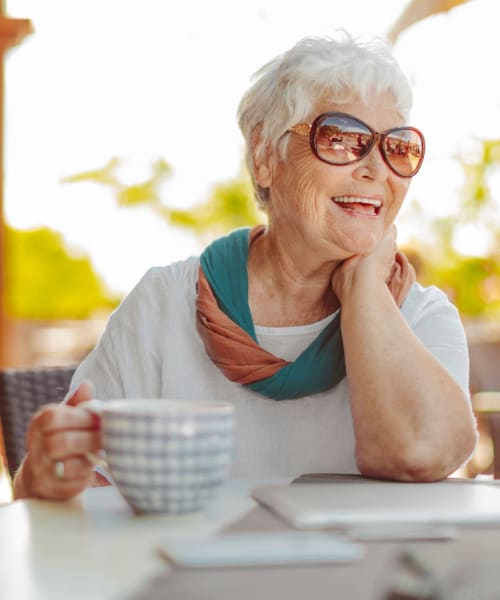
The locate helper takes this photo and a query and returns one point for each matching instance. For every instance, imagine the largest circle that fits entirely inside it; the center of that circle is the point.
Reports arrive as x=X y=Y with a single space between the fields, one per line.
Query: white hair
x=287 y=88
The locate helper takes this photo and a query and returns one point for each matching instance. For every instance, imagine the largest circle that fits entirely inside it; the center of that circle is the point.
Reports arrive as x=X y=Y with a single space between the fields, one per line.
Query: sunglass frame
x=376 y=137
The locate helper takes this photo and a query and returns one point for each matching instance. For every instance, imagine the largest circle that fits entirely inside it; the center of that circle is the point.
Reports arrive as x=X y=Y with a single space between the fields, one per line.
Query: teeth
x=352 y=200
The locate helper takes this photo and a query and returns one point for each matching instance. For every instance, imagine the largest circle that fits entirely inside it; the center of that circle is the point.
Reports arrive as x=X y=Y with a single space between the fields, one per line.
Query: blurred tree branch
x=417 y=10
x=229 y=204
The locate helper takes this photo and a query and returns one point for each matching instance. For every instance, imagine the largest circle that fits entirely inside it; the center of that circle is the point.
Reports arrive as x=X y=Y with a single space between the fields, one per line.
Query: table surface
x=95 y=547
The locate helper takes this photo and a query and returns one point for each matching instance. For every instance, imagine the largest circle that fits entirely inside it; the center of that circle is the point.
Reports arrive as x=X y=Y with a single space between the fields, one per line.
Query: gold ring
x=59 y=469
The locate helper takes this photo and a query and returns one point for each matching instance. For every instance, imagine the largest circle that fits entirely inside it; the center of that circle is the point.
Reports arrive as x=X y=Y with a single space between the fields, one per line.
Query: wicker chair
x=485 y=389
x=22 y=393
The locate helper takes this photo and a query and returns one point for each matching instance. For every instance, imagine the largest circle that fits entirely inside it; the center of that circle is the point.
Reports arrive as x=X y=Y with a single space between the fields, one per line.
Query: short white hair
x=339 y=69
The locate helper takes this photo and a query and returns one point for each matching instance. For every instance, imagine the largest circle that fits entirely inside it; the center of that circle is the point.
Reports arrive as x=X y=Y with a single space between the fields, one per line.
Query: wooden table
x=95 y=548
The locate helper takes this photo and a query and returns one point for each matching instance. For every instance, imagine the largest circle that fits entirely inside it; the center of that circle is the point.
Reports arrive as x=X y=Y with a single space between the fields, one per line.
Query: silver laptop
x=315 y=502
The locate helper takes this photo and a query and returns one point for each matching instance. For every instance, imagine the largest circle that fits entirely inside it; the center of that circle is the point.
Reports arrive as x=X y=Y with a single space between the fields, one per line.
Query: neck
x=297 y=282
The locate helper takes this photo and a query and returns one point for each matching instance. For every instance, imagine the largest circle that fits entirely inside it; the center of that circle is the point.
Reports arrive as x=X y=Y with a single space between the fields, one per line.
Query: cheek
x=301 y=169
x=300 y=181
x=399 y=191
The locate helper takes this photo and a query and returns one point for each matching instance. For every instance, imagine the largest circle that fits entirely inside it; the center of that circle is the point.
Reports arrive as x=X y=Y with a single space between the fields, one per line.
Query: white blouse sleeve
x=125 y=362
x=436 y=322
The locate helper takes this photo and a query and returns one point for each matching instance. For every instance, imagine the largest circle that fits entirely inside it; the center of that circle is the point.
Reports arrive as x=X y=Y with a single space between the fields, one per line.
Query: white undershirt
x=289 y=342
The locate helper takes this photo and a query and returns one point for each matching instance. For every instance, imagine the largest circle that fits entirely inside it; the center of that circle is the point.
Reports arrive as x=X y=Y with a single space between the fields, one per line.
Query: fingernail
x=96 y=422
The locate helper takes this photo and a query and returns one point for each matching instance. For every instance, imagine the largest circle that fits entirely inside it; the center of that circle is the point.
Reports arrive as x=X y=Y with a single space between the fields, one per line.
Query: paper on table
x=261 y=549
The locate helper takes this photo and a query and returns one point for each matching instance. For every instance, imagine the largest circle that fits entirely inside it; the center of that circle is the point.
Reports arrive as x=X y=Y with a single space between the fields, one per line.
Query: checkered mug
x=166 y=456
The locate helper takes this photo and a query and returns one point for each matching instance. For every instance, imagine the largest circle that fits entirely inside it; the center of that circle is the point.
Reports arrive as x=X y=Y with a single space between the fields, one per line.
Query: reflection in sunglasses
x=341 y=139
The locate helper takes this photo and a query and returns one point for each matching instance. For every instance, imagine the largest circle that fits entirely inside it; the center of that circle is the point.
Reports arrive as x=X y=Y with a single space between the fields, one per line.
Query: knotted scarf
x=225 y=324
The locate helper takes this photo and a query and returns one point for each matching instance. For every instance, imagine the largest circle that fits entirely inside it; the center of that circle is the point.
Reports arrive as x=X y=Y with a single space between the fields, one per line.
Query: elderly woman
x=313 y=326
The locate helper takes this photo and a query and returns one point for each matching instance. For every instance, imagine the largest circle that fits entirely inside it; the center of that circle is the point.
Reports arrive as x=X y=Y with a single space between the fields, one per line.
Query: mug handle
x=94 y=406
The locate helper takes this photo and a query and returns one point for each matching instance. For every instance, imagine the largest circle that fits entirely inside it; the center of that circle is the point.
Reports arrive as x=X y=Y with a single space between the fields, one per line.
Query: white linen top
x=151 y=349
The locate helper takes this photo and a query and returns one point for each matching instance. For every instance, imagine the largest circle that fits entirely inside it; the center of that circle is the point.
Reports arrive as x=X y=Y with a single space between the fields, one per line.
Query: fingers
x=388 y=242
x=364 y=272
x=382 y=257
x=71 y=475
x=55 y=480
x=60 y=434
x=63 y=444
x=84 y=392
x=76 y=468
x=54 y=417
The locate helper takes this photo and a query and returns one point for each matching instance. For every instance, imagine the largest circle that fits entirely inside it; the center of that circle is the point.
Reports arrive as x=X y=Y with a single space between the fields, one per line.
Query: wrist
x=361 y=286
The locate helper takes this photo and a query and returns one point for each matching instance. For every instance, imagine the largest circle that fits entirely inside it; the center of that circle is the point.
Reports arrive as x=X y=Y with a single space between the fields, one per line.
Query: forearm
x=411 y=419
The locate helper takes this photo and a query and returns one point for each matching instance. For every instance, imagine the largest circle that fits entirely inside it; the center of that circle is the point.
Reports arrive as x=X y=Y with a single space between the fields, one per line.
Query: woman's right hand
x=58 y=438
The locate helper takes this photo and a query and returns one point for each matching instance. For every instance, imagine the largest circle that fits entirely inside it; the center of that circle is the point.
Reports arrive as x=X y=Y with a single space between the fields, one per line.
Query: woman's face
x=317 y=201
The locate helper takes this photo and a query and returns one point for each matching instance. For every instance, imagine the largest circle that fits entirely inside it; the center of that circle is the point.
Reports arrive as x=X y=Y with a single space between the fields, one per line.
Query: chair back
x=22 y=393
x=484 y=366
x=485 y=389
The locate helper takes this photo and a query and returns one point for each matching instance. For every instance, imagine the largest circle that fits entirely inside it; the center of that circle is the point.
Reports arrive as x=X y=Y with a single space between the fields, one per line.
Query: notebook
x=347 y=501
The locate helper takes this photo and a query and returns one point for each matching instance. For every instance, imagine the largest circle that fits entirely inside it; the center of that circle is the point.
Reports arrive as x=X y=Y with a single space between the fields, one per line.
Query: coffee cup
x=166 y=456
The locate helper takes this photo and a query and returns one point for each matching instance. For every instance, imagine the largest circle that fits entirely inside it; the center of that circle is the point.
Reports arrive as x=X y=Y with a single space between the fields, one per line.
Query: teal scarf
x=319 y=367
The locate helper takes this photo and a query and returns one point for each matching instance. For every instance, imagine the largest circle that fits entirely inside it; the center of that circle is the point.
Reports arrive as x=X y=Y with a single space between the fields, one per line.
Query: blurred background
x=120 y=151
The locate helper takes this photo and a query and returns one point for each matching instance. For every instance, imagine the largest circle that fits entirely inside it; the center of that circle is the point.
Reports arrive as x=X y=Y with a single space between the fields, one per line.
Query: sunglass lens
x=340 y=140
x=404 y=151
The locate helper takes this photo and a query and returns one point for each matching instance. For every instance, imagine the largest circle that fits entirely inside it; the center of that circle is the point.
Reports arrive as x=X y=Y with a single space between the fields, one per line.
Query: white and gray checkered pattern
x=169 y=462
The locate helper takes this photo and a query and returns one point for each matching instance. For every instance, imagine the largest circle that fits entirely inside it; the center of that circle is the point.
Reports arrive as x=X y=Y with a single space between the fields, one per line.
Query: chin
x=361 y=245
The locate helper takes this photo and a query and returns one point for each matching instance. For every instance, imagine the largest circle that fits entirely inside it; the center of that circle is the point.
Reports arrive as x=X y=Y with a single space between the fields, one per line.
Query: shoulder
x=176 y=276
x=180 y=272
x=158 y=288
x=424 y=302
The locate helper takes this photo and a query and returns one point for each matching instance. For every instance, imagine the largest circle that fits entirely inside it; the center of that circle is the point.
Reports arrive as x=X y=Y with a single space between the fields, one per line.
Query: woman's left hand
x=366 y=270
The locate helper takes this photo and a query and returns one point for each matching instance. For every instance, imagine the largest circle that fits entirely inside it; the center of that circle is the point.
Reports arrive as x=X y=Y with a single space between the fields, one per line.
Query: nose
x=373 y=165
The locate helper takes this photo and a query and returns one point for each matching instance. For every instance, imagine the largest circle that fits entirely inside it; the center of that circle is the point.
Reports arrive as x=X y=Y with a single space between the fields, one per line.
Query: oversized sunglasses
x=341 y=139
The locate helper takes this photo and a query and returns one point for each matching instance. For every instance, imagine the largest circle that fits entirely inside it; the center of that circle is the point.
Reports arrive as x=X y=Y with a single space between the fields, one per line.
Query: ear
x=261 y=159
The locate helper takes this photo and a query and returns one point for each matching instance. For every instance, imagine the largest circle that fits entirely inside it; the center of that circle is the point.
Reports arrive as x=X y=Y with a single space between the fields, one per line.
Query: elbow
x=425 y=462
x=403 y=468
x=409 y=467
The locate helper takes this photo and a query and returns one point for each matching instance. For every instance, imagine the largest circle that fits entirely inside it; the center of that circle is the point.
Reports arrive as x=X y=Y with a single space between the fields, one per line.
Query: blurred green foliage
x=471 y=282
x=43 y=280
x=46 y=280
x=229 y=204
x=38 y=260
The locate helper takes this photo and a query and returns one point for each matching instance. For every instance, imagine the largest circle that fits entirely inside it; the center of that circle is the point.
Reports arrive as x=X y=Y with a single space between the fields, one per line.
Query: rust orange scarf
x=225 y=325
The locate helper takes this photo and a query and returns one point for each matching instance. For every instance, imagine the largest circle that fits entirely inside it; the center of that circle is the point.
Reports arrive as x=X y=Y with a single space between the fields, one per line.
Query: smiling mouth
x=365 y=206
